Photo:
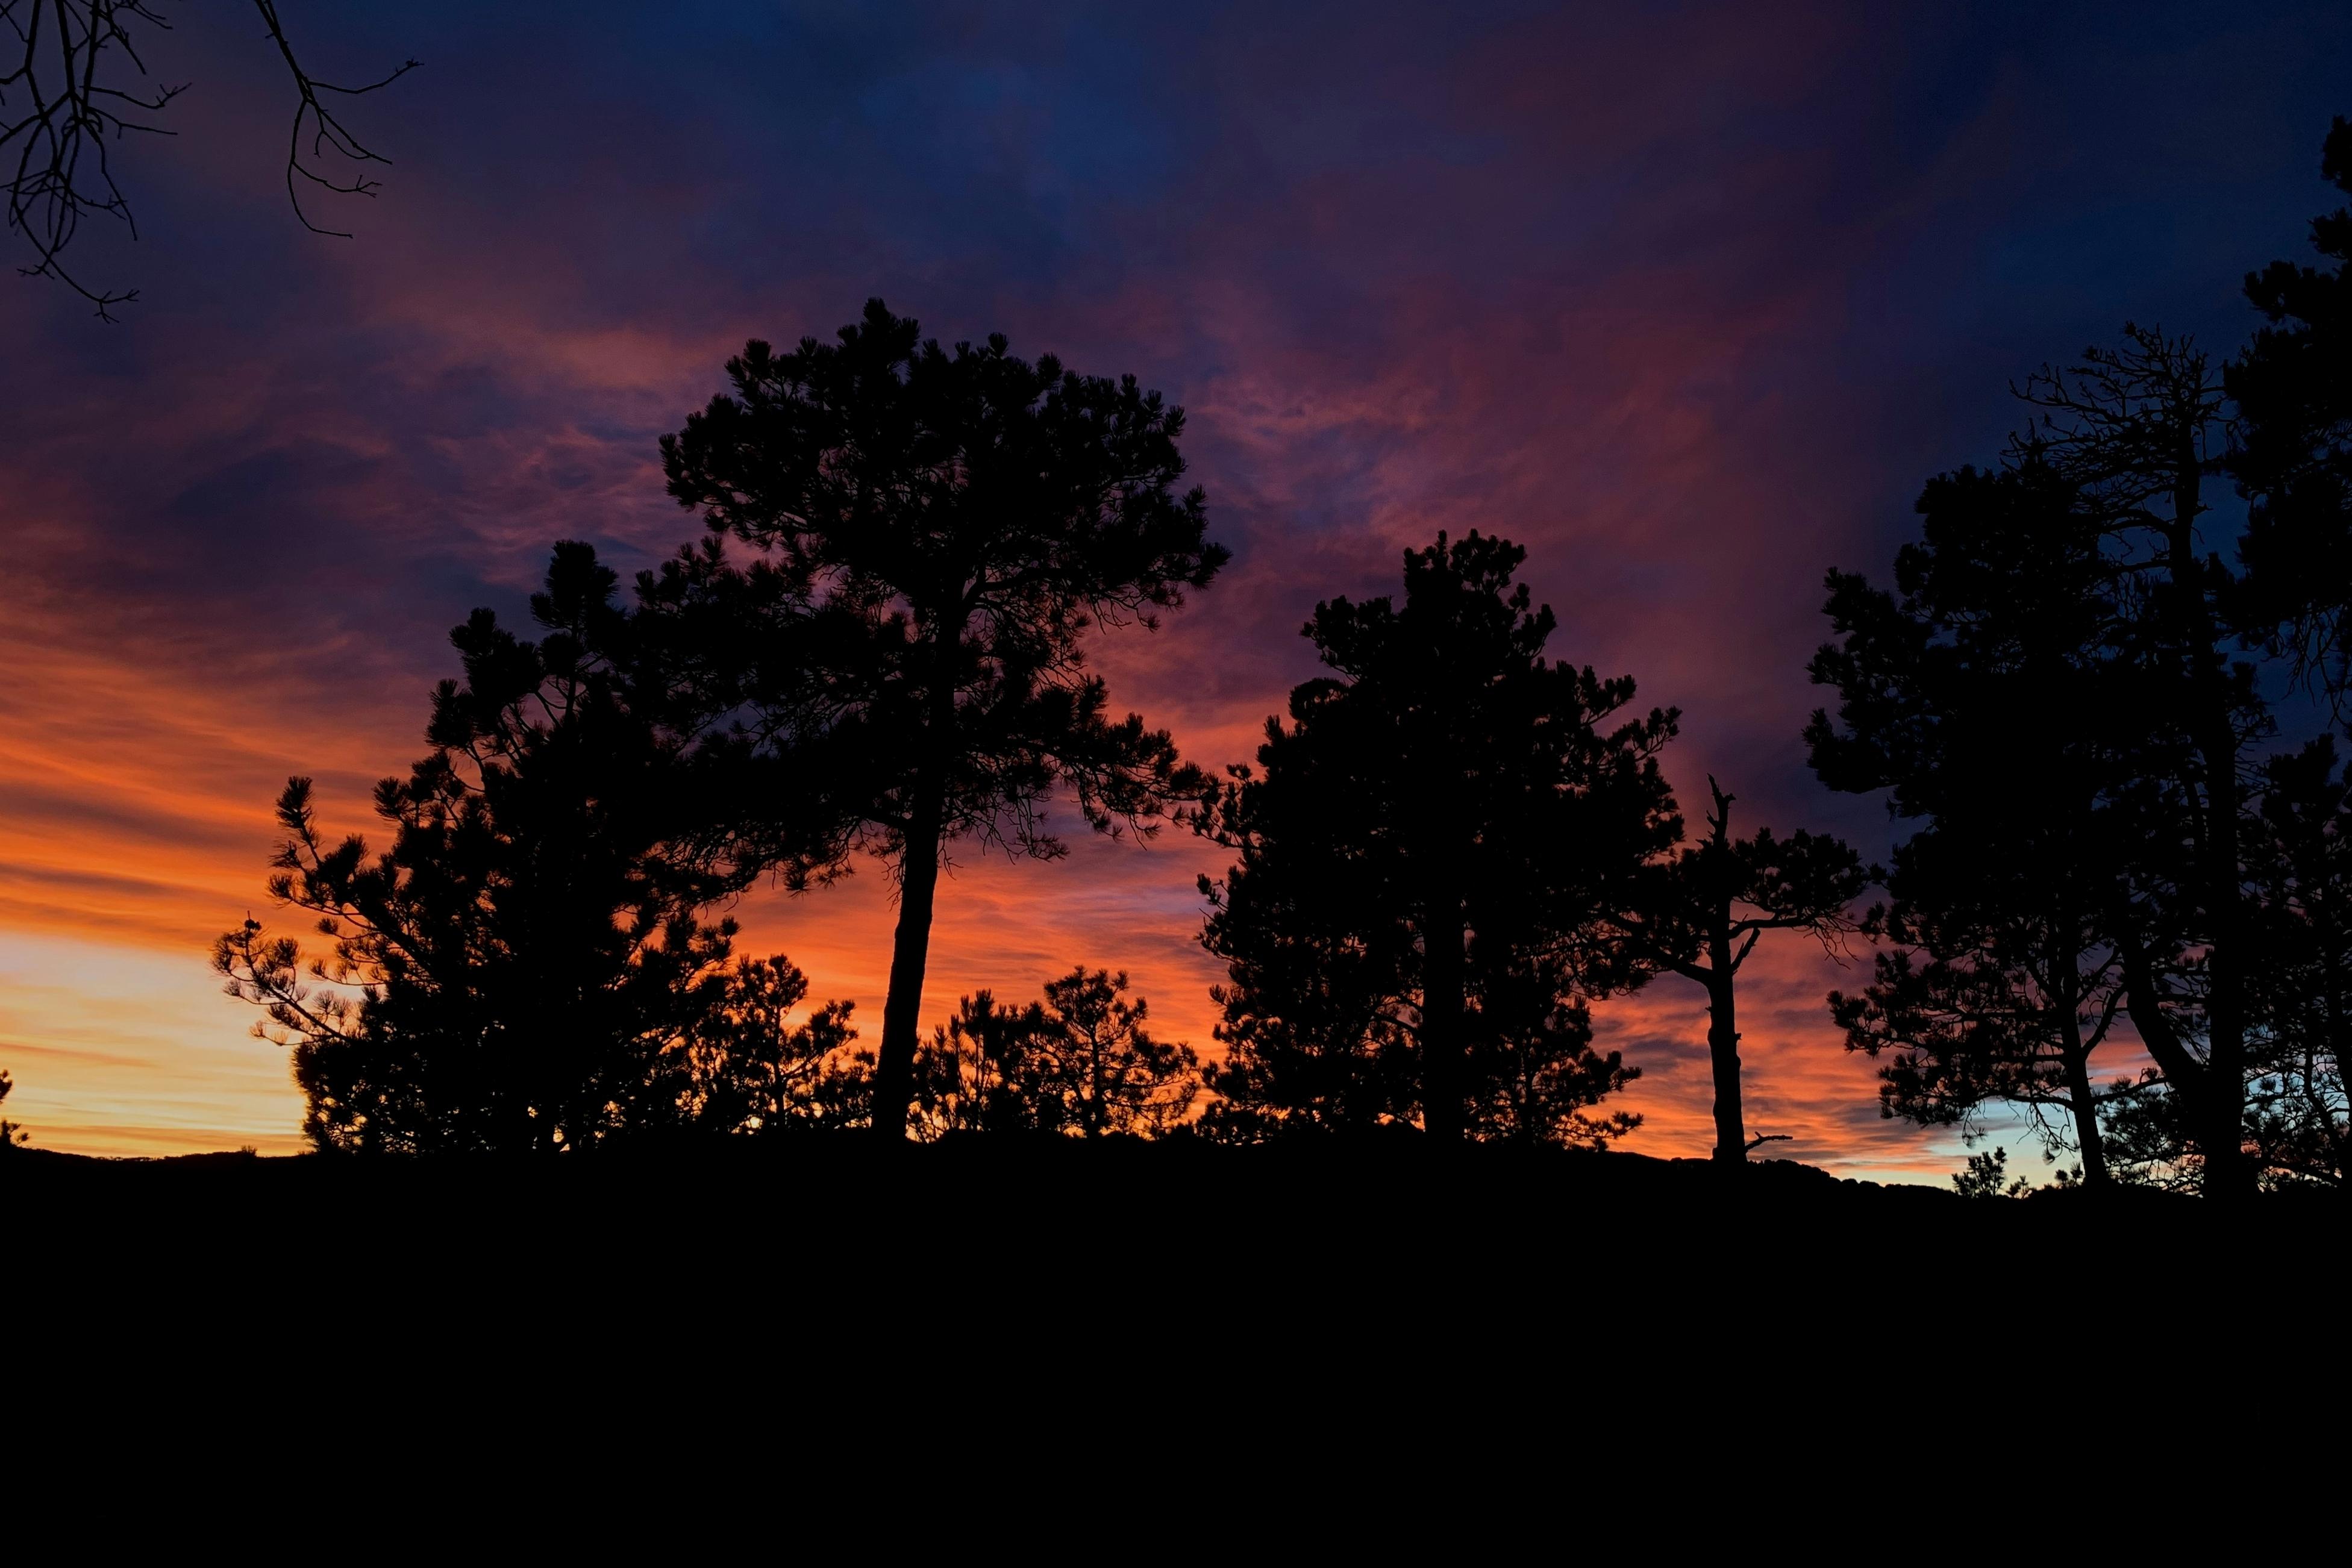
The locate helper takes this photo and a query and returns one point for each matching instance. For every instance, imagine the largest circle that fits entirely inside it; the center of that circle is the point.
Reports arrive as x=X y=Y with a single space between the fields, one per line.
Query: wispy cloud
x=1687 y=301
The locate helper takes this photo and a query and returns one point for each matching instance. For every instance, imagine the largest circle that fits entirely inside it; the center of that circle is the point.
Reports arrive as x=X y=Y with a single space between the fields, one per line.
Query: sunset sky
x=1689 y=304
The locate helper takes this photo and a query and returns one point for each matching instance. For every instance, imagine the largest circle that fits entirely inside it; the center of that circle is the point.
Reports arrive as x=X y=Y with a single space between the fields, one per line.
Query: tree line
x=1448 y=849
x=2073 y=696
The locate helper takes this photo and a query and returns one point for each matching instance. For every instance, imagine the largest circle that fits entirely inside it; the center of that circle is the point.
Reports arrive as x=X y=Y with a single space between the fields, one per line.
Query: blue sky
x=1689 y=299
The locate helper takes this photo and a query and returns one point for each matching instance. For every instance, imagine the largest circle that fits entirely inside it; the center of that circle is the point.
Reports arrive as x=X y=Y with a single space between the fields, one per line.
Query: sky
x=1688 y=299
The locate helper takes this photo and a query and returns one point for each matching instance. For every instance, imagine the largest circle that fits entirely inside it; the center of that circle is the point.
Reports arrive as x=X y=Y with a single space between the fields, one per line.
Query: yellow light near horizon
x=140 y=828
x=119 y=1050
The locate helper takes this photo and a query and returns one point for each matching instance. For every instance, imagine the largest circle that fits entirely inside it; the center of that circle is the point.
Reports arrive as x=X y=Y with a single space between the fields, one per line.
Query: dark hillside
x=1175 y=1216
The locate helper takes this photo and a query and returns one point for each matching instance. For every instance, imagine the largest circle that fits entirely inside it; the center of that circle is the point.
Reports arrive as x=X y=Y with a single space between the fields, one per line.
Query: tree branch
x=328 y=133
x=60 y=107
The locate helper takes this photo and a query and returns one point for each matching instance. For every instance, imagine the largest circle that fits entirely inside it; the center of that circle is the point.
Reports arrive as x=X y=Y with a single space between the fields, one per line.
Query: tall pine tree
x=528 y=965
x=1426 y=853
x=940 y=531
x=2292 y=455
x=2048 y=694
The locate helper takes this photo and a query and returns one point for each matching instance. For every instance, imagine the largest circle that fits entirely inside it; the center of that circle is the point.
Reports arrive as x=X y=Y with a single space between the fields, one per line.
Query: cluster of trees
x=1448 y=849
x=1080 y=1063
x=1451 y=847
x=897 y=667
x=2074 y=696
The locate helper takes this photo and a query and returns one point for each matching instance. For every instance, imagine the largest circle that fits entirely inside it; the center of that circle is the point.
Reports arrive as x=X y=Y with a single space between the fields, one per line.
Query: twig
x=59 y=108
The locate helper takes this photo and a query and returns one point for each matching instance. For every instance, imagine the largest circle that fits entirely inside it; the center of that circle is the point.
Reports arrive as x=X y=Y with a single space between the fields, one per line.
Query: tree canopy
x=11 y=1135
x=2299 y=1111
x=528 y=966
x=1426 y=852
x=1080 y=1063
x=939 y=532
x=2292 y=453
x=1701 y=914
x=1450 y=847
x=1993 y=694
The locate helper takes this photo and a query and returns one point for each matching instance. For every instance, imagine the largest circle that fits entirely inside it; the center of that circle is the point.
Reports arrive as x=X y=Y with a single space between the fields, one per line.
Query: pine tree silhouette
x=11 y=1135
x=1703 y=913
x=528 y=966
x=1427 y=851
x=1994 y=694
x=2292 y=452
x=941 y=530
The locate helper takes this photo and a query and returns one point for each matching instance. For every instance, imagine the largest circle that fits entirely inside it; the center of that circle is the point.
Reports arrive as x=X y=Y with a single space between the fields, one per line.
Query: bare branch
x=62 y=102
x=328 y=133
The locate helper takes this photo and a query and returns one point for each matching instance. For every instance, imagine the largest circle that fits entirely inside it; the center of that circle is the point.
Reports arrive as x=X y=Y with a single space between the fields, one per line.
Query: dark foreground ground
x=1157 y=1216
x=1250 y=1293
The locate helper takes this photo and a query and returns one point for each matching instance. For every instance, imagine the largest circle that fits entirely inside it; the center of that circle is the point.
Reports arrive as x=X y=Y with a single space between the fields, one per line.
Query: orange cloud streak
x=1371 y=347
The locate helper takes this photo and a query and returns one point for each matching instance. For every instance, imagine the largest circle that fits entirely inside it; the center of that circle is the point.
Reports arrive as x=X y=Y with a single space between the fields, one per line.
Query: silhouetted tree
x=1534 y=1075
x=2125 y=437
x=1995 y=694
x=11 y=1135
x=2300 y=1118
x=1702 y=913
x=67 y=98
x=526 y=966
x=1427 y=854
x=1080 y=1062
x=1986 y=997
x=2293 y=456
x=985 y=1071
x=1112 y=1075
x=752 y=1065
x=2148 y=1140
x=941 y=529
x=1987 y=1175
x=2298 y=1121
x=2136 y=430
x=1318 y=1006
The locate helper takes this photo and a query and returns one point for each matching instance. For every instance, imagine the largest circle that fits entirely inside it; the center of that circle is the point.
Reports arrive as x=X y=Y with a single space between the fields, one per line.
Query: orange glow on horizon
x=1668 y=301
x=142 y=827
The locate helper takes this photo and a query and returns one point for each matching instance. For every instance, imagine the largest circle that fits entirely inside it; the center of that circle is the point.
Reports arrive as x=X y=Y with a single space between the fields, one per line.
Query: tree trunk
x=2338 y=1137
x=1723 y=1052
x=2086 y=1117
x=2076 y=1060
x=2144 y=1000
x=919 y=880
x=1441 y=988
x=2221 y=1128
x=2191 y=1079
x=1095 y=1083
x=2219 y=1110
